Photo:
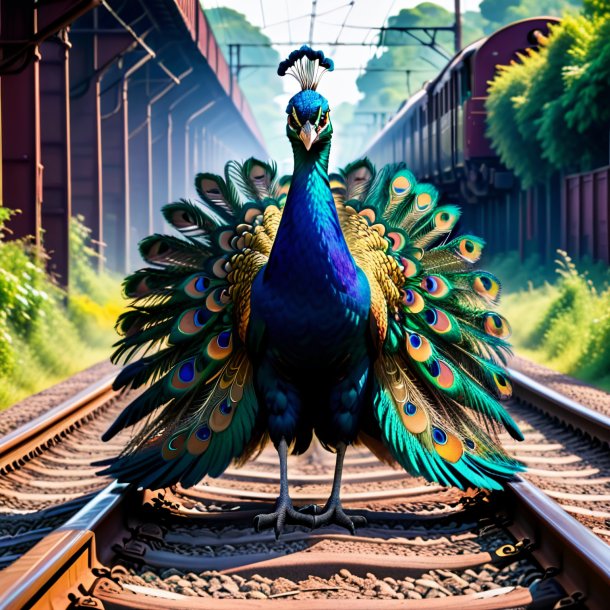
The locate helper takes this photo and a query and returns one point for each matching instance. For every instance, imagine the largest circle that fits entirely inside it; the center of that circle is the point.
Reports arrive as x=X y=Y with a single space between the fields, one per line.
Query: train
x=439 y=132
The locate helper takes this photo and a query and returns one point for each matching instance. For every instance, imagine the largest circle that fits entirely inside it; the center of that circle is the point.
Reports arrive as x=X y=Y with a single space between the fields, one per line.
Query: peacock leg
x=284 y=513
x=333 y=512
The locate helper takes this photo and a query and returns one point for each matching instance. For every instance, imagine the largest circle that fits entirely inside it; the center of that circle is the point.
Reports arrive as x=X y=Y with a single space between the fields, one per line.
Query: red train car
x=440 y=131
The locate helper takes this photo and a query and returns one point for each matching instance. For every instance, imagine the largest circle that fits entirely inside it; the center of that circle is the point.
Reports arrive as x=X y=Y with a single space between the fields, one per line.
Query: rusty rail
x=24 y=442
x=63 y=558
x=571 y=552
x=566 y=410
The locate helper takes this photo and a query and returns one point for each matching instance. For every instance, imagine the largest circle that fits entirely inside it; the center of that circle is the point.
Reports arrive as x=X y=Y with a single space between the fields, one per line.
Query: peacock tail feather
x=184 y=332
x=439 y=377
x=439 y=345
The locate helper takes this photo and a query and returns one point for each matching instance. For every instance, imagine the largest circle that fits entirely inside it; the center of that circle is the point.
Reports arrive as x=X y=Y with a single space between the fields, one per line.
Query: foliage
x=588 y=91
x=596 y=8
x=232 y=27
x=498 y=13
x=384 y=91
x=566 y=324
x=557 y=99
x=515 y=141
x=45 y=334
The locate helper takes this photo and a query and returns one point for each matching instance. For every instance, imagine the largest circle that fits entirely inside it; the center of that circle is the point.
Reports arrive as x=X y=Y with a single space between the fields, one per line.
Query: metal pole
x=458 y=27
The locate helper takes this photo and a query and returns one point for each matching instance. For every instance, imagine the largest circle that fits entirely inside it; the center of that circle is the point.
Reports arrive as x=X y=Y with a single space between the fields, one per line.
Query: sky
x=272 y=17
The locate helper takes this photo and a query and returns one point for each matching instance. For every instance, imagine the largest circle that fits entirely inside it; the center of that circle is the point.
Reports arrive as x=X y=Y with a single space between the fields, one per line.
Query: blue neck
x=309 y=246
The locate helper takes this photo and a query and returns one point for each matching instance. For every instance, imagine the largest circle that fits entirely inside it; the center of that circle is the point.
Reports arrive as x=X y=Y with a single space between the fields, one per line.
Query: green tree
x=596 y=8
x=572 y=111
x=516 y=145
x=231 y=27
x=588 y=79
x=384 y=83
x=498 y=13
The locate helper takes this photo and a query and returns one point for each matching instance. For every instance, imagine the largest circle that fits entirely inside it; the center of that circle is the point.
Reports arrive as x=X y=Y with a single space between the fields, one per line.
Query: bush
x=565 y=325
x=46 y=334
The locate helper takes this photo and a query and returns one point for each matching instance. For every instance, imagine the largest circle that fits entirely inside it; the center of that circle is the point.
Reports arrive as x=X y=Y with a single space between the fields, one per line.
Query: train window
x=465 y=90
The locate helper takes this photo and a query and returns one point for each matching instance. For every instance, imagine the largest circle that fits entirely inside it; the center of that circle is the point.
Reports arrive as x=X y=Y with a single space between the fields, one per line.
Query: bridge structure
x=108 y=109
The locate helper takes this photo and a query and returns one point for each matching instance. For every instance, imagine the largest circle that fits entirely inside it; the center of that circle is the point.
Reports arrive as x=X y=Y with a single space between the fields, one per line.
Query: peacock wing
x=184 y=334
x=439 y=373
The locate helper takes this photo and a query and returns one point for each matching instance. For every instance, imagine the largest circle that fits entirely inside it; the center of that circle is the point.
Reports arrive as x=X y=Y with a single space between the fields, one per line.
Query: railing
x=201 y=33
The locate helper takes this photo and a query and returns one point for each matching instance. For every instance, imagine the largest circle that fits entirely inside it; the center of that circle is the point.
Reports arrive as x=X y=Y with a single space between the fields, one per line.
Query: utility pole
x=458 y=27
x=313 y=20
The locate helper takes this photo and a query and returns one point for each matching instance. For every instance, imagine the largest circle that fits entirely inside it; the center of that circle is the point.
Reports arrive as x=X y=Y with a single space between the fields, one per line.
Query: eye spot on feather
x=469 y=250
x=225 y=407
x=414 y=418
x=434 y=368
x=486 y=286
x=400 y=185
x=444 y=220
x=218 y=268
x=413 y=300
x=418 y=347
x=197 y=286
x=222 y=416
x=217 y=300
x=423 y=202
x=191 y=322
x=470 y=443
x=220 y=346
x=496 y=326
x=186 y=373
x=251 y=215
x=199 y=440
x=410 y=408
x=224 y=240
x=203 y=433
x=435 y=286
x=439 y=436
x=503 y=385
x=447 y=445
x=438 y=320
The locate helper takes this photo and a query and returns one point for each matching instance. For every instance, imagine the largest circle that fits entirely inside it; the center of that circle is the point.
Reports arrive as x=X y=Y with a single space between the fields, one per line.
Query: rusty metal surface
x=593 y=423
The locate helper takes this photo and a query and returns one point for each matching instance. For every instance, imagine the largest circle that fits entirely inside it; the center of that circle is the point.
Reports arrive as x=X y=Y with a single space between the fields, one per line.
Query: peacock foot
x=333 y=514
x=284 y=514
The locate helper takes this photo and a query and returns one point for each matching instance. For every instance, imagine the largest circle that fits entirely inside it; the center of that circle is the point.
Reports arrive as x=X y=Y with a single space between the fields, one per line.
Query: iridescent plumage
x=328 y=305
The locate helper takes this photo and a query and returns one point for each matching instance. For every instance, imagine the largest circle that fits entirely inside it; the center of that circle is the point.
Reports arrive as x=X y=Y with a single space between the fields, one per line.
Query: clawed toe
x=335 y=515
x=283 y=515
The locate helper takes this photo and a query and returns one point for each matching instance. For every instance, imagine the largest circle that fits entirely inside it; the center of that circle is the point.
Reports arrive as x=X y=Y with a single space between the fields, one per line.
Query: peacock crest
x=307 y=66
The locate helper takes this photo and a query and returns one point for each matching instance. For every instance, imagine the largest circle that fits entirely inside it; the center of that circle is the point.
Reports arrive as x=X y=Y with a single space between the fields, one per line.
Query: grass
x=562 y=323
x=47 y=334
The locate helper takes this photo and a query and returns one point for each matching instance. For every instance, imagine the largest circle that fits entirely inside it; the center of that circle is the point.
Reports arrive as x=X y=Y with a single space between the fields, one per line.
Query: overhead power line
x=349 y=10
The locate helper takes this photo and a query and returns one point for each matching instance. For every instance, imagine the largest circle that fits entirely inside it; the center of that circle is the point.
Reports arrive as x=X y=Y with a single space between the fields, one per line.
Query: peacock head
x=308 y=111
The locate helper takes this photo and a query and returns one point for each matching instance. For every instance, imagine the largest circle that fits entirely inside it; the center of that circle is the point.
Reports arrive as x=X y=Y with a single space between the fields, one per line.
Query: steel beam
x=55 y=153
x=21 y=163
x=86 y=124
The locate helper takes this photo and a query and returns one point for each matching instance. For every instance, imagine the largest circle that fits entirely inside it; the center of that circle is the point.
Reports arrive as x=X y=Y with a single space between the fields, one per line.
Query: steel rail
x=63 y=558
x=570 y=412
x=24 y=442
x=566 y=549
x=580 y=560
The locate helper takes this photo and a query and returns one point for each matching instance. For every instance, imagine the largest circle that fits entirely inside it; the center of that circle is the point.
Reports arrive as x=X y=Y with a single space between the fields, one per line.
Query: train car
x=440 y=131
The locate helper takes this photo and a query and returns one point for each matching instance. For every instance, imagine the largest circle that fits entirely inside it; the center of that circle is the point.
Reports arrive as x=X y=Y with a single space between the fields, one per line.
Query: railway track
x=540 y=543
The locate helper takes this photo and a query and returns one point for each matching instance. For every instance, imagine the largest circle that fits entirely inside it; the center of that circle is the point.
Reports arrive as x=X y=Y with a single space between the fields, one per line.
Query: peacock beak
x=308 y=135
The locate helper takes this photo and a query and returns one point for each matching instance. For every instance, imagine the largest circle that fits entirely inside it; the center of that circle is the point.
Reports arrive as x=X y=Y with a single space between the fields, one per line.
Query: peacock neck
x=309 y=246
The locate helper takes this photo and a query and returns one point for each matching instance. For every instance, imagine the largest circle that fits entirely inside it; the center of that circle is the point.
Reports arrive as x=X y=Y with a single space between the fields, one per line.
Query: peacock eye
x=324 y=120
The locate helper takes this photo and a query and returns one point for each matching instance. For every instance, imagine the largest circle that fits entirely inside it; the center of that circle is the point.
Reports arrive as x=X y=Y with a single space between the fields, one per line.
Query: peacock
x=334 y=305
